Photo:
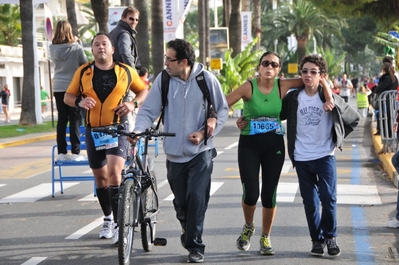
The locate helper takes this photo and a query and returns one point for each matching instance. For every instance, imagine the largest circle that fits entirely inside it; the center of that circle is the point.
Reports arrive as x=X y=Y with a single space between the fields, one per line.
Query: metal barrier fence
x=388 y=107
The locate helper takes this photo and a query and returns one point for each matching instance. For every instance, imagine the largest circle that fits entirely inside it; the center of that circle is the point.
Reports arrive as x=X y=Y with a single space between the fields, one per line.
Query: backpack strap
x=164 y=90
x=204 y=88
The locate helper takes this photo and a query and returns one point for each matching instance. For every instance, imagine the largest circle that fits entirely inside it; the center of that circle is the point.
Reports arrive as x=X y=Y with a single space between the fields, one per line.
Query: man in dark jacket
x=124 y=40
x=312 y=136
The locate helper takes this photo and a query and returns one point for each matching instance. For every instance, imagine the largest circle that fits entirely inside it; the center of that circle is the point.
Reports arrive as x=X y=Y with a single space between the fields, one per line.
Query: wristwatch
x=136 y=104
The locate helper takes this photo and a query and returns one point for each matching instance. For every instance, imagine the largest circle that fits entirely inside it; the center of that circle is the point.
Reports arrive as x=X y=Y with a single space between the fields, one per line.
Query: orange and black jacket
x=103 y=113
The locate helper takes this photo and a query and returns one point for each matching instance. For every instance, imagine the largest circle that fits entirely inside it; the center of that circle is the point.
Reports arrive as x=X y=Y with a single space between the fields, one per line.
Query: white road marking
x=35 y=193
x=34 y=261
x=1 y=185
x=214 y=187
x=346 y=193
x=81 y=232
x=358 y=194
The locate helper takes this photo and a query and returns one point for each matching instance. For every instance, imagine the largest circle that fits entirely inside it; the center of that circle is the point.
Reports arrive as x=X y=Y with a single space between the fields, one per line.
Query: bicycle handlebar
x=118 y=129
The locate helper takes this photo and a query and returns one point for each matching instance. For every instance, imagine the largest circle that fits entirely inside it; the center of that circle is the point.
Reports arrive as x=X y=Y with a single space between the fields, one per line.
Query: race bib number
x=104 y=141
x=263 y=126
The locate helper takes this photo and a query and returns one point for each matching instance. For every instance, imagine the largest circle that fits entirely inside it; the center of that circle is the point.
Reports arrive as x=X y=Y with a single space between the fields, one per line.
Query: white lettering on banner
x=245 y=27
x=168 y=13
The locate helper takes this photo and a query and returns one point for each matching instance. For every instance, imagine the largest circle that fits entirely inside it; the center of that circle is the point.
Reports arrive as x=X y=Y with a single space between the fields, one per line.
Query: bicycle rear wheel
x=148 y=228
x=126 y=222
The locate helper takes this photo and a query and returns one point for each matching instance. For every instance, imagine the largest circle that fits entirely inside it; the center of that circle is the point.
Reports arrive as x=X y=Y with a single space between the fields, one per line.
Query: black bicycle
x=137 y=196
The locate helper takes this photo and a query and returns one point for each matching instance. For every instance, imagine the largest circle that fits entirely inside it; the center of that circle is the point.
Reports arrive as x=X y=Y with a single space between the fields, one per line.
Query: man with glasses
x=123 y=37
x=189 y=160
x=312 y=136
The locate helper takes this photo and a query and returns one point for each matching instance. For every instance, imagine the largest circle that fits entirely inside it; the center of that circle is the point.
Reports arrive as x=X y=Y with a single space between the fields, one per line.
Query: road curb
x=27 y=139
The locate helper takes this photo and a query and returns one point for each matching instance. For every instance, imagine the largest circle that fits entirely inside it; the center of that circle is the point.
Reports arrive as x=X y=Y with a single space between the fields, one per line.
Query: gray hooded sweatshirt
x=67 y=57
x=184 y=114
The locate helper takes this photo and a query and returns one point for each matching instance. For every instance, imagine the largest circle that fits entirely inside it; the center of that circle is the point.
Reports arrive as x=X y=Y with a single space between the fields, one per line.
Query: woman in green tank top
x=261 y=144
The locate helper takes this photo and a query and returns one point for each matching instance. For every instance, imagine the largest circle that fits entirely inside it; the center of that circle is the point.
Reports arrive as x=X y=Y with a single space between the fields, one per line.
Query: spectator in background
x=43 y=98
x=394 y=222
x=362 y=100
x=67 y=54
x=5 y=98
x=123 y=37
x=345 y=86
x=143 y=73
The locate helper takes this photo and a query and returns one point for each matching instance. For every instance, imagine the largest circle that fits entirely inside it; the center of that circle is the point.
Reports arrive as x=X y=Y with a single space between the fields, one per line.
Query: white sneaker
x=63 y=157
x=106 y=232
x=76 y=157
x=394 y=223
x=116 y=235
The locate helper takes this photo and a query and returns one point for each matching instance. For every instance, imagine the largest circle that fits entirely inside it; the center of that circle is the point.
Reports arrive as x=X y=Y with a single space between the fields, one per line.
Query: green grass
x=7 y=131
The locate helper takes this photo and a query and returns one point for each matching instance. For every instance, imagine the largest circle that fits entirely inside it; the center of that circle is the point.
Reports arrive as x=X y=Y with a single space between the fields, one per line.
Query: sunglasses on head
x=312 y=72
x=267 y=63
x=133 y=19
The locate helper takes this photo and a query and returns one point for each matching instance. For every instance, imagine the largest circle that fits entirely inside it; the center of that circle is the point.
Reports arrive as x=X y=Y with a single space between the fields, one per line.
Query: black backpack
x=204 y=88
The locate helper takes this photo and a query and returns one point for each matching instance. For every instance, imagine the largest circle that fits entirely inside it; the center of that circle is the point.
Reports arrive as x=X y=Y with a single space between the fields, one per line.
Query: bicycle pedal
x=160 y=241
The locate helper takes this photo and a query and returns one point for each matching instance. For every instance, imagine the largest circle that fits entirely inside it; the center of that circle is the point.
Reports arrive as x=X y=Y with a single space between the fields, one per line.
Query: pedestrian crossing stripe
x=286 y=192
x=214 y=187
x=35 y=193
x=34 y=261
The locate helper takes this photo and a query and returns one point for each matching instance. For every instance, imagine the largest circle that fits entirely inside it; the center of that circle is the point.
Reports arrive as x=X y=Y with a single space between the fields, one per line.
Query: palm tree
x=10 y=25
x=143 y=37
x=157 y=47
x=70 y=6
x=302 y=20
x=28 y=116
x=100 y=10
x=235 y=27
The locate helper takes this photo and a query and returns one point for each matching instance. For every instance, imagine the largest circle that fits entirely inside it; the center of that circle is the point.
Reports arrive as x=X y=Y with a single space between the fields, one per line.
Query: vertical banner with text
x=246 y=29
x=174 y=14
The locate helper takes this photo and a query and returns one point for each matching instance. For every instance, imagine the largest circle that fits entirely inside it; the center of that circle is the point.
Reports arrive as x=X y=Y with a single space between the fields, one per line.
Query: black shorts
x=98 y=159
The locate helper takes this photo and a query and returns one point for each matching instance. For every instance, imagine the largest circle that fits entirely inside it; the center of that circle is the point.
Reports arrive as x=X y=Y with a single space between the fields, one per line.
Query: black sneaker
x=333 y=249
x=195 y=257
x=318 y=248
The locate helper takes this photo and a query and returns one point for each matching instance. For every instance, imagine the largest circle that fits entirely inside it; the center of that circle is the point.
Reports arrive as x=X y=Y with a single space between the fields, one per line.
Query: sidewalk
x=27 y=138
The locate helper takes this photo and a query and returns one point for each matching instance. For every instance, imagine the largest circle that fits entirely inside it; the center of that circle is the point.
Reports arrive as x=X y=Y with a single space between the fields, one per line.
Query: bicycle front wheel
x=148 y=228
x=126 y=222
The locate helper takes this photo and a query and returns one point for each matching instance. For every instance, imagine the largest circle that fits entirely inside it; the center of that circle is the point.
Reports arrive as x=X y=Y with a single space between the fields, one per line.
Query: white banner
x=174 y=14
x=246 y=29
x=114 y=15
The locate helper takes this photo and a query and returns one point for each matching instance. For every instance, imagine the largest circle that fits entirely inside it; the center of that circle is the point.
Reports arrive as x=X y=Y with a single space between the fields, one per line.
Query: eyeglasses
x=169 y=60
x=267 y=63
x=313 y=72
x=133 y=19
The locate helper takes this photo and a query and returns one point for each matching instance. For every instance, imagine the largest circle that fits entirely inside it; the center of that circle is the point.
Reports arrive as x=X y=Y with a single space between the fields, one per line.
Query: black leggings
x=266 y=150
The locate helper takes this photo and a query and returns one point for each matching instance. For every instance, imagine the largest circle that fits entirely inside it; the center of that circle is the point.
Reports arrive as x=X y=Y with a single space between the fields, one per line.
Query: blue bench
x=60 y=176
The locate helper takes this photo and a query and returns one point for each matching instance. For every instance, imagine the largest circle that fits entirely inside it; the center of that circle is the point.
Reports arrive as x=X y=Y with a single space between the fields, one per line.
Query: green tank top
x=262 y=105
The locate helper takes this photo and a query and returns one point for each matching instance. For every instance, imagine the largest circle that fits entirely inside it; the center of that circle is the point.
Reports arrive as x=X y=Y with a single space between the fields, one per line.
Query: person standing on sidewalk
x=105 y=104
x=394 y=222
x=189 y=158
x=67 y=54
x=5 y=98
x=312 y=136
x=123 y=37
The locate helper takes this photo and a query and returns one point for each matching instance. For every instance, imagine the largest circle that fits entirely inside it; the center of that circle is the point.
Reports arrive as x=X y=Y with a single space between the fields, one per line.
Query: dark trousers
x=318 y=185
x=191 y=183
x=65 y=114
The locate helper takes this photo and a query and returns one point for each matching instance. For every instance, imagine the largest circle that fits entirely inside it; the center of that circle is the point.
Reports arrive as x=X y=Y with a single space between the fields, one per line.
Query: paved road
x=39 y=229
